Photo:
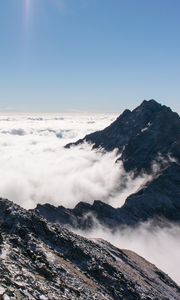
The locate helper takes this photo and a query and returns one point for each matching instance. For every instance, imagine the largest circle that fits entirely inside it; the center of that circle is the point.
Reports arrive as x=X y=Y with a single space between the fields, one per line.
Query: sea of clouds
x=36 y=168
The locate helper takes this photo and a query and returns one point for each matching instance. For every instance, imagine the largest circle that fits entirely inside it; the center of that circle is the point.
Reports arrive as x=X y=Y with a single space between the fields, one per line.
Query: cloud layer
x=35 y=167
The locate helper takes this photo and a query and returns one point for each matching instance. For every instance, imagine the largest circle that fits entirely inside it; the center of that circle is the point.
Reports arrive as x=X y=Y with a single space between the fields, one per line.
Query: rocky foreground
x=42 y=261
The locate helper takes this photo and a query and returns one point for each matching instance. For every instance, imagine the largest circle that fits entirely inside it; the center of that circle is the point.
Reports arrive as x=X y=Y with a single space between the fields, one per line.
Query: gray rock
x=39 y=260
x=141 y=135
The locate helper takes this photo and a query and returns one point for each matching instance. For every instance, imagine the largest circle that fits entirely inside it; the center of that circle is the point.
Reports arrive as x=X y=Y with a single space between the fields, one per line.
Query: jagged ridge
x=140 y=135
x=148 y=133
x=44 y=261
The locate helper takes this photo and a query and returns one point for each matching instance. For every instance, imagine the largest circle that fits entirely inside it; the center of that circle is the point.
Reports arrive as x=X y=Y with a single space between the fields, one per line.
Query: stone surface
x=39 y=260
x=141 y=136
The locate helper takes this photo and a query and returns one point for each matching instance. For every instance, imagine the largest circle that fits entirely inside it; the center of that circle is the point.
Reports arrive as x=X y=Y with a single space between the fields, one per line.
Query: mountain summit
x=141 y=136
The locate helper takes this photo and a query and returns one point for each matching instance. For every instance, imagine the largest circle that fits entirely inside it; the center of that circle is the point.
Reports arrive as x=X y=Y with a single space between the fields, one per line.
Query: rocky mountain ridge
x=149 y=133
x=42 y=261
x=141 y=136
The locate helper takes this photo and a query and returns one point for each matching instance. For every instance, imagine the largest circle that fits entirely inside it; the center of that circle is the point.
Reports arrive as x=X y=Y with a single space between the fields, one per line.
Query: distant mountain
x=140 y=135
x=42 y=261
x=149 y=133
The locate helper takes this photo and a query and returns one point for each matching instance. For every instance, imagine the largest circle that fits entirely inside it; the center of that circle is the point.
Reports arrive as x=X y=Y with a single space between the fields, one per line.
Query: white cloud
x=35 y=167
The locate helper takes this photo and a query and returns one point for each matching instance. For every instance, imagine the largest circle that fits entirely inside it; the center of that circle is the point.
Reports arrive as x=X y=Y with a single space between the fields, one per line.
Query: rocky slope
x=41 y=261
x=141 y=136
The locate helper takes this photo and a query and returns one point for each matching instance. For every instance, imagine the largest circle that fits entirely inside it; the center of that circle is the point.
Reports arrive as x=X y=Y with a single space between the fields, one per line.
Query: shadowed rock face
x=140 y=135
x=44 y=261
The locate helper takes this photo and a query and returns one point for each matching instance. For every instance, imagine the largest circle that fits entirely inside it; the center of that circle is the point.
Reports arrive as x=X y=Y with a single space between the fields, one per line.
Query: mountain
x=42 y=261
x=149 y=133
x=159 y=200
x=141 y=136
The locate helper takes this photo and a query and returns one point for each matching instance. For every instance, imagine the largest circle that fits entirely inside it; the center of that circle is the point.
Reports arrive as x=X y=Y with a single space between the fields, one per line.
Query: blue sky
x=88 y=55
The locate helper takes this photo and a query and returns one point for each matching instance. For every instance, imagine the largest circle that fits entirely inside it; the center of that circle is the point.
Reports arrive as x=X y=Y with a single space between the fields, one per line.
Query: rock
x=46 y=261
x=148 y=134
x=140 y=136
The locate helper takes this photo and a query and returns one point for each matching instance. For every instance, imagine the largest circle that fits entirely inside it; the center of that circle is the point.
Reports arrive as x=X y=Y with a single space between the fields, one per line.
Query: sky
x=88 y=55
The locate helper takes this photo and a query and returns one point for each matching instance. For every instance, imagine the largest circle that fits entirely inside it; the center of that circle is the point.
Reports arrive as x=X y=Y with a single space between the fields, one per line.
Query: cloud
x=35 y=167
x=14 y=131
x=60 y=176
x=156 y=244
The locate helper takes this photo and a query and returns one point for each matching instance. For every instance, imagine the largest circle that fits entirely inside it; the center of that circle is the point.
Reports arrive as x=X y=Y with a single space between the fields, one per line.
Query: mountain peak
x=150 y=102
x=140 y=135
x=151 y=105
